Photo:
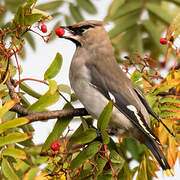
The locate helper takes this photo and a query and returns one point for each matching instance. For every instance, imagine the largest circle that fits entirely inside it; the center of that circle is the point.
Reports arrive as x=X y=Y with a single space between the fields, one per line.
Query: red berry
x=59 y=31
x=55 y=146
x=44 y=28
x=163 y=41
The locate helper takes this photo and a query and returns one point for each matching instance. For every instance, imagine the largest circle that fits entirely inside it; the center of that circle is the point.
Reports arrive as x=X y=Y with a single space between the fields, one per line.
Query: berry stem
x=113 y=171
x=30 y=79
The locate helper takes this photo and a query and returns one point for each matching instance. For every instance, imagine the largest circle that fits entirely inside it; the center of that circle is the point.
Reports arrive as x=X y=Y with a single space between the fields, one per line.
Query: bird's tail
x=158 y=154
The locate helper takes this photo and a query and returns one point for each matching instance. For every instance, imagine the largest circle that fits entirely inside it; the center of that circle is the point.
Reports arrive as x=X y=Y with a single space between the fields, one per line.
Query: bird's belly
x=94 y=102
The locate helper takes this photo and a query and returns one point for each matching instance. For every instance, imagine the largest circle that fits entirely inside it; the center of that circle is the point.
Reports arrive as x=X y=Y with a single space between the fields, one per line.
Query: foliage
x=88 y=153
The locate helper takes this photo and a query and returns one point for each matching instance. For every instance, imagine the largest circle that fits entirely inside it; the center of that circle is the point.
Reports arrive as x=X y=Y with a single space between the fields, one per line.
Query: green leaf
x=9 y=115
x=35 y=150
x=41 y=160
x=105 y=116
x=13 y=138
x=154 y=34
x=169 y=115
x=59 y=127
x=87 y=5
x=30 y=19
x=127 y=8
x=84 y=124
x=114 y=8
x=28 y=4
x=30 y=40
x=86 y=154
x=105 y=137
x=124 y=23
x=22 y=167
x=6 y=107
x=85 y=173
x=50 y=6
x=158 y=11
x=64 y=88
x=137 y=43
x=8 y=171
x=136 y=75
x=142 y=173
x=75 y=12
x=32 y=173
x=12 y=124
x=44 y=101
x=68 y=20
x=52 y=86
x=77 y=133
x=134 y=147
x=73 y=97
x=125 y=174
x=28 y=128
x=85 y=137
x=15 y=153
x=54 y=68
x=19 y=16
x=166 y=86
x=25 y=103
x=100 y=164
x=170 y=99
x=44 y=14
x=29 y=90
x=116 y=158
x=151 y=99
x=170 y=107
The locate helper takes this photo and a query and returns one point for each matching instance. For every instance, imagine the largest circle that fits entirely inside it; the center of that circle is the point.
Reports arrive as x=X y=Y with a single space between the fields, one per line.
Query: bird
x=96 y=78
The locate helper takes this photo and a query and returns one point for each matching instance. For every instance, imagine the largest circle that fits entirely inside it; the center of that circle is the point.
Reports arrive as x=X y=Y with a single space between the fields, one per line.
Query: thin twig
x=31 y=79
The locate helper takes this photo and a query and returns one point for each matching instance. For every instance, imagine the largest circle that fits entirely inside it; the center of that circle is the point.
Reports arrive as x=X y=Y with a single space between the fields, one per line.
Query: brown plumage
x=96 y=77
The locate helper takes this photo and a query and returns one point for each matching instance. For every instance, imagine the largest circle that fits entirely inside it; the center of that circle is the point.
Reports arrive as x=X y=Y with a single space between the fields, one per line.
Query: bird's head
x=84 y=32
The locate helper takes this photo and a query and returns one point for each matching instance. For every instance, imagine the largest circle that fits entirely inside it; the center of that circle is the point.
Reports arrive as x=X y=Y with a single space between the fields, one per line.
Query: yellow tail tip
x=169 y=172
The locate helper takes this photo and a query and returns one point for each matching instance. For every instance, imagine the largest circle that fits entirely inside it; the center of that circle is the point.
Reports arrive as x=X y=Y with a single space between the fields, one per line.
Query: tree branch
x=45 y=115
x=12 y=93
x=21 y=110
x=65 y=113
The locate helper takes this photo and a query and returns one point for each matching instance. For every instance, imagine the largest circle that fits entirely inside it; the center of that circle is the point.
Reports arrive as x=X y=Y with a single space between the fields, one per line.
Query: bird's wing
x=149 y=109
x=123 y=101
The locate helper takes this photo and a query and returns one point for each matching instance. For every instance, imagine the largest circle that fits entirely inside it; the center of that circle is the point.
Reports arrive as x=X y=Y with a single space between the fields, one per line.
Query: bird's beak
x=70 y=35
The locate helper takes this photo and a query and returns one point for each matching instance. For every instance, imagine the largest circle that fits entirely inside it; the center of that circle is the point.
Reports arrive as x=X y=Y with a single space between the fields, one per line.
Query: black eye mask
x=79 y=30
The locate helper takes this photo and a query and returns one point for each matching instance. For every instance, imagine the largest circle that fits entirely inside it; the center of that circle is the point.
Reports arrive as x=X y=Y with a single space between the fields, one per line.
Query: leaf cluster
x=139 y=25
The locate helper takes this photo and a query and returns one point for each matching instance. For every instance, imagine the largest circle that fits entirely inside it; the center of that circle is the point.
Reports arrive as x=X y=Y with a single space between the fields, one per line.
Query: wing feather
x=150 y=111
x=121 y=103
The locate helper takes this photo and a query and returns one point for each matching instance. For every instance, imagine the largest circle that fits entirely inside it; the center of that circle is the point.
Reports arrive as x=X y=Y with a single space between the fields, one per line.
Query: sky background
x=36 y=63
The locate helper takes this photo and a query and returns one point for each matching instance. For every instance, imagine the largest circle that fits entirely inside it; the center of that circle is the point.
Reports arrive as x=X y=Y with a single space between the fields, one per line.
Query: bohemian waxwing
x=96 y=78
